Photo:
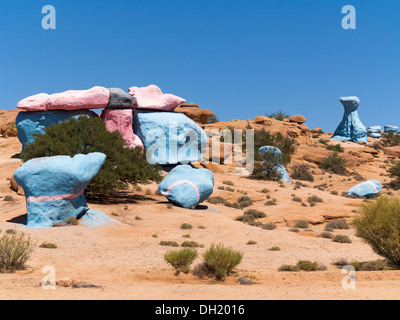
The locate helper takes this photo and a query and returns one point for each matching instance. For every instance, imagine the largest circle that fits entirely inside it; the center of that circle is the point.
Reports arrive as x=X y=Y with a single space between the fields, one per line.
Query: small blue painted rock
x=394 y=129
x=94 y=218
x=280 y=169
x=375 y=135
x=369 y=189
x=375 y=129
x=30 y=123
x=54 y=186
x=187 y=186
x=351 y=127
x=169 y=137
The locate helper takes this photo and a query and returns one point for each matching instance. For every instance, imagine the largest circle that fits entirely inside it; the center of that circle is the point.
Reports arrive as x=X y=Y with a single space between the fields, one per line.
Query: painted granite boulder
x=280 y=168
x=119 y=99
x=31 y=123
x=393 y=129
x=54 y=187
x=368 y=189
x=121 y=120
x=351 y=127
x=94 y=98
x=187 y=186
x=169 y=138
x=153 y=98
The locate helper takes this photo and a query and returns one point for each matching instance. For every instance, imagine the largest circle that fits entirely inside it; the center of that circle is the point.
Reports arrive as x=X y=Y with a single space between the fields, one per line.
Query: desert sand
x=126 y=261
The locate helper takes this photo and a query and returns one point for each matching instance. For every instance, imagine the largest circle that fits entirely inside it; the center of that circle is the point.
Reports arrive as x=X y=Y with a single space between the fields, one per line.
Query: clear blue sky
x=238 y=58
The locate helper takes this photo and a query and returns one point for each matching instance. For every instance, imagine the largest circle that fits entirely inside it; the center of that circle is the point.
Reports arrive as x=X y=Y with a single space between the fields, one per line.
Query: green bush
x=255 y=213
x=15 y=251
x=186 y=226
x=327 y=235
x=314 y=199
x=216 y=200
x=191 y=244
x=334 y=164
x=302 y=172
x=122 y=167
x=304 y=265
x=395 y=172
x=221 y=261
x=302 y=224
x=169 y=244
x=288 y=268
x=340 y=238
x=268 y=226
x=181 y=260
x=46 y=245
x=336 y=148
x=278 y=115
x=390 y=139
x=339 y=225
x=378 y=224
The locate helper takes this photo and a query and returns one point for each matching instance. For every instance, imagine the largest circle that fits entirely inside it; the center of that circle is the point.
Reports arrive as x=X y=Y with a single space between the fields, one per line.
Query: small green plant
x=169 y=244
x=15 y=251
x=340 y=238
x=221 y=188
x=327 y=235
x=216 y=200
x=390 y=139
x=186 y=226
x=278 y=115
x=302 y=172
x=191 y=244
x=8 y=198
x=138 y=218
x=181 y=260
x=337 y=225
x=186 y=236
x=336 y=148
x=265 y=190
x=302 y=224
x=334 y=164
x=268 y=226
x=314 y=199
x=288 y=268
x=274 y=249
x=295 y=230
x=148 y=192
x=46 y=245
x=297 y=199
x=229 y=183
x=251 y=242
x=255 y=213
x=272 y=202
x=155 y=235
x=308 y=266
x=230 y=189
x=221 y=261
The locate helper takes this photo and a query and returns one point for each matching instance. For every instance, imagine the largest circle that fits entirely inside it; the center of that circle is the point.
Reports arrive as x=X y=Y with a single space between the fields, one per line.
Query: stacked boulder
x=374 y=132
x=171 y=139
x=393 y=129
x=351 y=127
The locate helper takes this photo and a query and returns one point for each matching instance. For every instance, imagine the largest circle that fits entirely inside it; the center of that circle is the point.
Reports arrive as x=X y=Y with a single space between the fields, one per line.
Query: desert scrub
x=302 y=172
x=251 y=243
x=229 y=183
x=244 y=202
x=15 y=251
x=337 y=225
x=334 y=164
x=186 y=226
x=340 y=238
x=181 y=260
x=8 y=198
x=46 y=245
x=216 y=200
x=191 y=244
x=395 y=173
x=295 y=230
x=378 y=224
x=326 y=235
x=297 y=199
x=272 y=202
x=314 y=199
x=390 y=139
x=302 y=224
x=308 y=266
x=278 y=115
x=335 y=147
x=268 y=226
x=221 y=261
x=255 y=213
x=169 y=244
x=274 y=249
x=288 y=268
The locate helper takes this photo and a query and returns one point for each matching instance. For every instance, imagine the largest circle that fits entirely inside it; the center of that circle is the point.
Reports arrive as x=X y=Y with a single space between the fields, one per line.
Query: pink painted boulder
x=94 y=98
x=152 y=97
x=121 y=120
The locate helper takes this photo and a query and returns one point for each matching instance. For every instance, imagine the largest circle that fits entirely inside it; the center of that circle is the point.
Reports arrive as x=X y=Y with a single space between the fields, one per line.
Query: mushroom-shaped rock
x=54 y=186
x=187 y=186
x=368 y=189
x=31 y=123
x=119 y=99
x=153 y=98
x=94 y=98
x=279 y=168
x=169 y=137
x=121 y=120
x=351 y=128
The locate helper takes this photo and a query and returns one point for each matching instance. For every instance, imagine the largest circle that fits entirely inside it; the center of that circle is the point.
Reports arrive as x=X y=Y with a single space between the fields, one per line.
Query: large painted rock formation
x=369 y=189
x=351 y=128
x=54 y=187
x=374 y=131
x=121 y=120
x=94 y=98
x=280 y=168
x=187 y=186
x=31 y=123
x=153 y=98
x=169 y=138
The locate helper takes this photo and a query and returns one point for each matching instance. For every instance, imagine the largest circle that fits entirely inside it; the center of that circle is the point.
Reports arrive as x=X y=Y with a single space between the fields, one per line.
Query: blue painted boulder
x=394 y=129
x=94 y=218
x=169 y=137
x=351 y=127
x=375 y=132
x=54 y=186
x=30 y=123
x=368 y=189
x=280 y=168
x=187 y=186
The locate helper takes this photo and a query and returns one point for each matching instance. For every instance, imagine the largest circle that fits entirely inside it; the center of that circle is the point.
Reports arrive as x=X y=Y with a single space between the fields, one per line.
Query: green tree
x=84 y=135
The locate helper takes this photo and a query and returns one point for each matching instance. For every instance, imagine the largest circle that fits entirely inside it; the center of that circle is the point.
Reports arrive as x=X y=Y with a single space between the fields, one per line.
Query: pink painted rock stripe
x=166 y=193
x=55 y=198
